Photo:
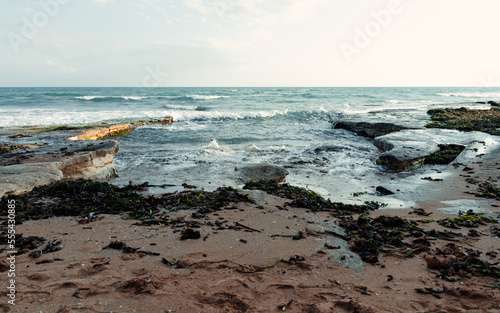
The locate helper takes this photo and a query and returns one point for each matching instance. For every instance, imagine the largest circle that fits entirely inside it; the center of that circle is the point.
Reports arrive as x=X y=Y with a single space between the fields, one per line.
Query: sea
x=218 y=130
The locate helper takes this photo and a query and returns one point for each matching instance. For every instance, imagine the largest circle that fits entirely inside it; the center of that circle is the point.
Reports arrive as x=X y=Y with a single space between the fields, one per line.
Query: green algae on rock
x=465 y=119
x=445 y=155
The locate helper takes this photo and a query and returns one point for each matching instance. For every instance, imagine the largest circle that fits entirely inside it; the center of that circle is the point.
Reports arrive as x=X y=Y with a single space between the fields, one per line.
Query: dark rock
x=382 y=191
x=493 y=103
x=480 y=102
x=262 y=172
x=368 y=129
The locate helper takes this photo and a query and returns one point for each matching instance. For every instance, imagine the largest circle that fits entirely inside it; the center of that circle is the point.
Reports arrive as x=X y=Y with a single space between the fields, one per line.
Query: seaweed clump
x=464 y=119
x=469 y=219
x=445 y=155
x=462 y=262
x=390 y=234
x=370 y=236
x=304 y=198
x=81 y=197
x=86 y=197
x=488 y=190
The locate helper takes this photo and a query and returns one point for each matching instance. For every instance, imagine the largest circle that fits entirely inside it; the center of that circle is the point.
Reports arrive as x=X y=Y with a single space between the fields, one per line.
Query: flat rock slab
x=52 y=159
x=407 y=149
x=369 y=129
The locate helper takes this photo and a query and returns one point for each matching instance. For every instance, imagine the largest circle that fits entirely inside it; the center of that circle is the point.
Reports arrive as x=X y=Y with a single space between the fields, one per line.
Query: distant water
x=219 y=129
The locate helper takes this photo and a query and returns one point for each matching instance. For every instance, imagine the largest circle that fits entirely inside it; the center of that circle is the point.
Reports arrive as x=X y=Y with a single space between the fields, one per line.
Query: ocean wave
x=470 y=94
x=200 y=116
x=106 y=98
x=408 y=106
x=199 y=97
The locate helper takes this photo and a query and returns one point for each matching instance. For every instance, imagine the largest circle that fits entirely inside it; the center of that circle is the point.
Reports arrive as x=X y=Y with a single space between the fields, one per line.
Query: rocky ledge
x=34 y=158
x=407 y=146
x=23 y=170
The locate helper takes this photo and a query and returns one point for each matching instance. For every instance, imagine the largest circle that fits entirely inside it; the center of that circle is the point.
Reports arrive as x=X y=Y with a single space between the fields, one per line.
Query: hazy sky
x=249 y=43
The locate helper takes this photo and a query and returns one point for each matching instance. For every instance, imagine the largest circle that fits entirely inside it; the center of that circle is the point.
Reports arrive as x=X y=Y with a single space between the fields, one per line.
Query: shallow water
x=219 y=129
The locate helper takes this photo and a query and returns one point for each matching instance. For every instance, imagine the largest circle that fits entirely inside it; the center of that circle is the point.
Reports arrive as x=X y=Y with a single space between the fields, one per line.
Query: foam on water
x=492 y=95
x=207 y=97
x=105 y=98
x=281 y=126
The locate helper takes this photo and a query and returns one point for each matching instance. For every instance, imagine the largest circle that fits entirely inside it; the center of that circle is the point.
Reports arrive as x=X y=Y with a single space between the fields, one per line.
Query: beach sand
x=225 y=270
x=264 y=256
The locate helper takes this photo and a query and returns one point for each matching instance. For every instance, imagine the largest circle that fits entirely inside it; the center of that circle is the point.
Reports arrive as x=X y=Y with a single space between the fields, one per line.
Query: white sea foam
x=47 y=117
x=391 y=105
x=470 y=94
x=253 y=148
x=216 y=115
x=90 y=98
x=206 y=97
x=212 y=145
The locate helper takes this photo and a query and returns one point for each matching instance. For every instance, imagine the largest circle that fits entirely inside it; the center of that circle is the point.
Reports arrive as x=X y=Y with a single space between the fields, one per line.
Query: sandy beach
x=267 y=255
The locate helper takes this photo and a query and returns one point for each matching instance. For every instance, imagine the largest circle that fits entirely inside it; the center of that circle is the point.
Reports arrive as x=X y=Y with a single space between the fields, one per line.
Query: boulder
x=493 y=103
x=261 y=172
x=405 y=150
x=369 y=129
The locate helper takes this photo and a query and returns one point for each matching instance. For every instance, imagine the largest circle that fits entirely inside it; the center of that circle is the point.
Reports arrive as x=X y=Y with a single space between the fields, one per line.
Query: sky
x=233 y=43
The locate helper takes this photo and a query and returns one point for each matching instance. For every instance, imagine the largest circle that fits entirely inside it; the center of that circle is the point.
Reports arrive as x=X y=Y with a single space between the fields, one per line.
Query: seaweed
x=305 y=198
x=469 y=219
x=445 y=155
x=464 y=262
x=82 y=197
x=488 y=190
x=465 y=119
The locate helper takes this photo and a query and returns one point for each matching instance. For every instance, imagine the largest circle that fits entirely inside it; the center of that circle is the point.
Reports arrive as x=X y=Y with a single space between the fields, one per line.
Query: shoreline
x=249 y=257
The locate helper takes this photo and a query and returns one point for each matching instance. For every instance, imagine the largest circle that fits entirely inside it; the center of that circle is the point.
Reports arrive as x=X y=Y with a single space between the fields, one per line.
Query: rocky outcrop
x=369 y=129
x=405 y=150
x=79 y=160
x=493 y=103
x=261 y=172
x=116 y=129
x=24 y=165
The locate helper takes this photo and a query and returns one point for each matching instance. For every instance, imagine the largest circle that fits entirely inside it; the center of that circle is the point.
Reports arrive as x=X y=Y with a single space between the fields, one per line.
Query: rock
x=399 y=153
x=261 y=172
x=382 y=191
x=493 y=103
x=117 y=129
x=46 y=166
x=480 y=102
x=369 y=129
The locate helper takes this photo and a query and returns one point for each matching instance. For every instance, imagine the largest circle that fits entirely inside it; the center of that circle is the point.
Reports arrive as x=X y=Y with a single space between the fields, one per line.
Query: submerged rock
x=261 y=172
x=369 y=129
x=382 y=191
